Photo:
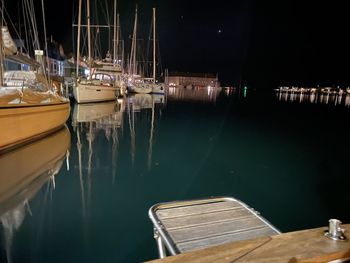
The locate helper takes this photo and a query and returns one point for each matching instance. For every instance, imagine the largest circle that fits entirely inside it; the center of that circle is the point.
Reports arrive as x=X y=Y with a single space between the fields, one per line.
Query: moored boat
x=29 y=107
x=99 y=87
x=21 y=122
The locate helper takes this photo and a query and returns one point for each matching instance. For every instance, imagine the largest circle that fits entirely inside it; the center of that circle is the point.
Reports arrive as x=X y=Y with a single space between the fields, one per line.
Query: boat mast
x=132 y=61
x=78 y=39
x=1 y=61
x=89 y=37
x=47 y=55
x=1 y=57
x=114 y=33
x=1 y=45
x=117 y=42
x=135 y=42
x=154 y=45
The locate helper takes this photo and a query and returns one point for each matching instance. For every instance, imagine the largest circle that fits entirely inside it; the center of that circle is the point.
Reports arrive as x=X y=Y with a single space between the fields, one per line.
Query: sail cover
x=9 y=45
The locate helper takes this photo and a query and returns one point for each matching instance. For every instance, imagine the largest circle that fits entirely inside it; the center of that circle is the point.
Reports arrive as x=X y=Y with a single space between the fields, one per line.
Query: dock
x=225 y=229
x=305 y=246
x=183 y=226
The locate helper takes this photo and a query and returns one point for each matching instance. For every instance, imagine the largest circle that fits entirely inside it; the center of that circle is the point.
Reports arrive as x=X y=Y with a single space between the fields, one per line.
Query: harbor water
x=82 y=194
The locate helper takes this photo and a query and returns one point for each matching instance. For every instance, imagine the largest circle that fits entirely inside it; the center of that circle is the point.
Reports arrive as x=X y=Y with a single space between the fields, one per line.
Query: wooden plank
x=288 y=247
x=204 y=219
x=214 y=229
x=332 y=257
x=196 y=209
x=223 y=239
x=226 y=253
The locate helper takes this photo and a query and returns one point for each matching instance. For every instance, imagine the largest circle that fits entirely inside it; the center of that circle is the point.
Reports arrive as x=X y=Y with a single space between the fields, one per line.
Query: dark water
x=287 y=158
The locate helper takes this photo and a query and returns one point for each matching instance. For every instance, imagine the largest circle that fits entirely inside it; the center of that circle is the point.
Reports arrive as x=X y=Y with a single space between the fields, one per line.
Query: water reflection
x=138 y=103
x=207 y=94
x=23 y=173
x=88 y=120
x=339 y=98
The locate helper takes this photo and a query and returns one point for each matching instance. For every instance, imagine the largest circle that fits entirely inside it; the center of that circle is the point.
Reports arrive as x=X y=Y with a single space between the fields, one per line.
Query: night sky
x=259 y=43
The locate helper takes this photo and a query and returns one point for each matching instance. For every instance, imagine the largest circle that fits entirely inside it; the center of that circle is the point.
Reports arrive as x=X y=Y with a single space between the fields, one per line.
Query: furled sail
x=10 y=47
x=11 y=52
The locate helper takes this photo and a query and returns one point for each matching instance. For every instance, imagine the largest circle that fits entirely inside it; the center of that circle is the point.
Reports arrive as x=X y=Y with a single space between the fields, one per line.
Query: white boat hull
x=93 y=93
x=146 y=88
x=158 y=89
x=142 y=89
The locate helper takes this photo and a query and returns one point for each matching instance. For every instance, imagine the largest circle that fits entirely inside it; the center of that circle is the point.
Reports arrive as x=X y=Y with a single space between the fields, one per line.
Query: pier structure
x=192 y=80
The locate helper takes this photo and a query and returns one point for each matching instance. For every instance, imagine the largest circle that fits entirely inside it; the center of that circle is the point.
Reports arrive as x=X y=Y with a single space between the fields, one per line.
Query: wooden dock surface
x=197 y=224
x=304 y=246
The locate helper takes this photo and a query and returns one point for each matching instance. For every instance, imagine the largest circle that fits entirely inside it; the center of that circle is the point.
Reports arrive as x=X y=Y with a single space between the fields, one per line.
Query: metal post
x=160 y=244
x=67 y=95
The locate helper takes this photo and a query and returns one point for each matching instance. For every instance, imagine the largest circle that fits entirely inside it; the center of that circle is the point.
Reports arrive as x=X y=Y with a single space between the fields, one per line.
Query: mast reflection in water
x=87 y=121
x=24 y=171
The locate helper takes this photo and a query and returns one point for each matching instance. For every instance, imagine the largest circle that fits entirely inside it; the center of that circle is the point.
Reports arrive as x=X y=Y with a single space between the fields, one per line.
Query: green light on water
x=245 y=91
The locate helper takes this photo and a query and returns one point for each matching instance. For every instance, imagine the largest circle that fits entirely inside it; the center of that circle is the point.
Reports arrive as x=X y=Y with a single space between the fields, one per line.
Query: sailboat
x=29 y=106
x=158 y=88
x=98 y=86
x=148 y=85
x=112 y=63
x=135 y=83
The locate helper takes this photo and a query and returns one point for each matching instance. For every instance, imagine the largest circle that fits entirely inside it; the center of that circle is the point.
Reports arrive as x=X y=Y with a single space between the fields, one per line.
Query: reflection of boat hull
x=158 y=98
x=93 y=93
x=29 y=166
x=92 y=111
x=22 y=122
x=141 y=101
x=146 y=101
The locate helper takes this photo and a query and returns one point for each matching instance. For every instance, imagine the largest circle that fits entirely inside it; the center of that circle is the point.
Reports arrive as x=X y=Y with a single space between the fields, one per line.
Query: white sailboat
x=135 y=83
x=148 y=85
x=113 y=63
x=29 y=106
x=97 y=86
x=158 y=88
